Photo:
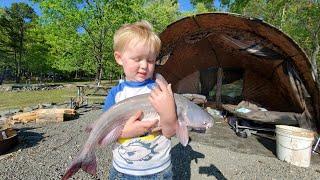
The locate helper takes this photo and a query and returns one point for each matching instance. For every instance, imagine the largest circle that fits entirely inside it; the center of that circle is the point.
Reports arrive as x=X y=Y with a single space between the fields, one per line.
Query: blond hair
x=141 y=31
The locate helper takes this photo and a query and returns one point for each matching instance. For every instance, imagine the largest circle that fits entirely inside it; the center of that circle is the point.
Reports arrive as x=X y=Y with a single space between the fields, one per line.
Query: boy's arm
x=162 y=99
x=134 y=127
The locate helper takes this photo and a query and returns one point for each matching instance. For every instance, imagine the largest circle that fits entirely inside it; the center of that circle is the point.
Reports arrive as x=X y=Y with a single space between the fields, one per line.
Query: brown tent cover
x=276 y=72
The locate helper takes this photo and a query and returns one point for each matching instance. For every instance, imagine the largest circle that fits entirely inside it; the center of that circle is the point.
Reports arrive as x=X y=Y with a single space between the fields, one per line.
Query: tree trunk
x=17 y=64
x=98 y=74
x=283 y=17
x=20 y=50
x=314 y=55
x=110 y=77
x=76 y=75
x=99 y=58
x=315 y=51
x=2 y=76
x=19 y=68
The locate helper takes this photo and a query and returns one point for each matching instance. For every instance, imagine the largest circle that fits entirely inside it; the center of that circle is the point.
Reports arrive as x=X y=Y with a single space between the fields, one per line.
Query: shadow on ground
x=181 y=161
x=28 y=138
x=212 y=170
x=222 y=136
x=268 y=144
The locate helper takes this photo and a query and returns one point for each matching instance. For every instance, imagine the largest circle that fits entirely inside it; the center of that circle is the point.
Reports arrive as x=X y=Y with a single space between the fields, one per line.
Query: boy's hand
x=134 y=127
x=162 y=99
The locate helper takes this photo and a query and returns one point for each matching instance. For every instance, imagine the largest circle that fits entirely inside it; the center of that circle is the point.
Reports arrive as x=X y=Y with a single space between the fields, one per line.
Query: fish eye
x=204 y=123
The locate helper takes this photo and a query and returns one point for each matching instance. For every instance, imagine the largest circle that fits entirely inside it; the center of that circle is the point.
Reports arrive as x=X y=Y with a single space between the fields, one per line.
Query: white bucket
x=294 y=145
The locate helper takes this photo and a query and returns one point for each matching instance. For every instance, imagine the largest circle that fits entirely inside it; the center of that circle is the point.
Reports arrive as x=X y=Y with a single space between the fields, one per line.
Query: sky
x=7 y=3
x=184 y=5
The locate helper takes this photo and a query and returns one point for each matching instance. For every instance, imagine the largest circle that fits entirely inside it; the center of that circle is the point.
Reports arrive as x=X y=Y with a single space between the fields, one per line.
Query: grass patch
x=19 y=100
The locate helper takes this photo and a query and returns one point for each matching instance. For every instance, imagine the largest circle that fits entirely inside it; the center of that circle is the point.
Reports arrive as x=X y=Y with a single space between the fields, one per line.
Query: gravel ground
x=45 y=151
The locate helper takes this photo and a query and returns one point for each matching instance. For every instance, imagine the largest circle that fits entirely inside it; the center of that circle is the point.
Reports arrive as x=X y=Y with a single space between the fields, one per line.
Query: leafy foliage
x=14 y=24
x=206 y=5
x=80 y=33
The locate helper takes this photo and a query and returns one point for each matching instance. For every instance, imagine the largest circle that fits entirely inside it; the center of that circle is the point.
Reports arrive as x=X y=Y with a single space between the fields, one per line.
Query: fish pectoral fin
x=89 y=128
x=112 y=136
x=161 y=78
x=182 y=133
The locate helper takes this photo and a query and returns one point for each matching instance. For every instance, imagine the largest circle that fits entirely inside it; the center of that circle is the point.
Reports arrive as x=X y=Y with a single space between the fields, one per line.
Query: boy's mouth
x=142 y=73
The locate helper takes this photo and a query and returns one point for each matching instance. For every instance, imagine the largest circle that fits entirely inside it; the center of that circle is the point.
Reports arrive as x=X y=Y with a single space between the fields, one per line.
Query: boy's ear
x=117 y=57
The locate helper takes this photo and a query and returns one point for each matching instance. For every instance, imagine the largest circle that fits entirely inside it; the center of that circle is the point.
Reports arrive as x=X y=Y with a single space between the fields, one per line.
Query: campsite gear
x=316 y=146
x=294 y=145
x=108 y=127
x=8 y=139
x=253 y=112
x=276 y=73
x=216 y=114
x=244 y=128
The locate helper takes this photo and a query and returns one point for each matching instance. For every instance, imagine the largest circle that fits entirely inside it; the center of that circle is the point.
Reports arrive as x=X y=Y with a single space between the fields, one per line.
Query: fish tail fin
x=87 y=163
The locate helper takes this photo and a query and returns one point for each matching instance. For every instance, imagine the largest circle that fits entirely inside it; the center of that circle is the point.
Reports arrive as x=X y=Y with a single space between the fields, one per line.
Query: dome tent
x=276 y=72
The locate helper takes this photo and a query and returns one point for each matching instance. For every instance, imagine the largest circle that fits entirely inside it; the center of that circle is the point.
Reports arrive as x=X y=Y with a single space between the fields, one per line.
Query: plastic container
x=294 y=145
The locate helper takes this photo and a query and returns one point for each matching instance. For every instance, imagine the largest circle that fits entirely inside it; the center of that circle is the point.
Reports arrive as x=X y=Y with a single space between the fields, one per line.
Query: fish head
x=197 y=118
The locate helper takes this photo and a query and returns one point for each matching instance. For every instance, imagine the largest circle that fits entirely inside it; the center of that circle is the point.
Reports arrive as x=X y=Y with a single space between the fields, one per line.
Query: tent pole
x=219 y=86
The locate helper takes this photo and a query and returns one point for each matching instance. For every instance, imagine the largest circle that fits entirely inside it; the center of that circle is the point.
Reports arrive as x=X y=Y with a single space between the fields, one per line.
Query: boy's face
x=137 y=61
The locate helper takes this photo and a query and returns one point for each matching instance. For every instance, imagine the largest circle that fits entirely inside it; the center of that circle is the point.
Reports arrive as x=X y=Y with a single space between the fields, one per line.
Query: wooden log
x=43 y=115
x=24 y=117
x=54 y=115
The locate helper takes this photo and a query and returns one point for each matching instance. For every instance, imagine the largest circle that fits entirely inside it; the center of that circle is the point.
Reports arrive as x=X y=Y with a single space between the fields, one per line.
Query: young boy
x=142 y=151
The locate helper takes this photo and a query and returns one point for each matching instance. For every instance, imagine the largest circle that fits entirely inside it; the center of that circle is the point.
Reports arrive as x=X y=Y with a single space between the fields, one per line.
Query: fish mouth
x=199 y=130
x=209 y=125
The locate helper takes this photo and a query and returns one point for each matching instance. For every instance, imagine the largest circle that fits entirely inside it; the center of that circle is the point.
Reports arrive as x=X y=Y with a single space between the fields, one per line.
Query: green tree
x=80 y=33
x=4 y=49
x=14 y=23
x=200 y=6
x=37 y=58
x=208 y=4
x=160 y=13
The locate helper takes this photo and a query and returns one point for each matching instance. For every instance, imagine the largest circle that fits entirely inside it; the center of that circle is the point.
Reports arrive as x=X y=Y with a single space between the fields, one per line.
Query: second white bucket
x=294 y=145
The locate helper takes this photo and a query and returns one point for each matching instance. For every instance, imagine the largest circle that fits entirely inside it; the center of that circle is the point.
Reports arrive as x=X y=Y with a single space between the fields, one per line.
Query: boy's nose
x=143 y=63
